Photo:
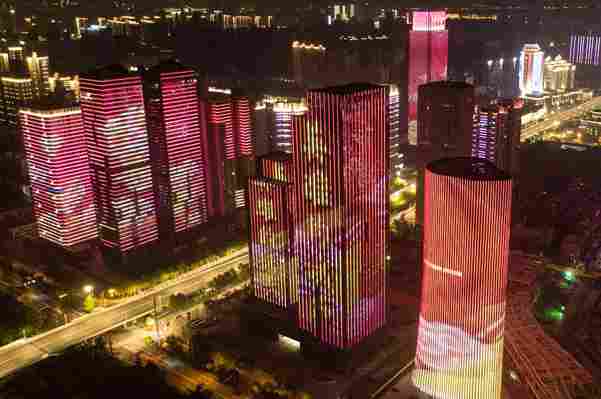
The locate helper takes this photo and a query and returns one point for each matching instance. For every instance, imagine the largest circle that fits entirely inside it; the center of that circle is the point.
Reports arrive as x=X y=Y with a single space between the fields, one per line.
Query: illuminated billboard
x=465 y=255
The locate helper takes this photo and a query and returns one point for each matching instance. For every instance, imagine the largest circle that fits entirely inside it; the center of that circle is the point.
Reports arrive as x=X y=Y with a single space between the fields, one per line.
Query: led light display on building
x=59 y=172
x=112 y=105
x=428 y=53
x=283 y=113
x=274 y=274
x=466 y=247
x=175 y=143
x=341 y=212
x=394 y=118
x=531 y=72
x=585 y=49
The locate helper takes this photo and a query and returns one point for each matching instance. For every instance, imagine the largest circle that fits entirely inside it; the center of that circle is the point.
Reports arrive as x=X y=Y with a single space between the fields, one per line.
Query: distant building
x=276 y=122
x=59 y=173
x=532 y=60
x=341 y=213
x=559 y=74
x=39 y=70
x=464 y=280
x=16 y=91
x=445 y=125
x=112 y=105
x=428 y=54
x=496 y=135
x=176 y=151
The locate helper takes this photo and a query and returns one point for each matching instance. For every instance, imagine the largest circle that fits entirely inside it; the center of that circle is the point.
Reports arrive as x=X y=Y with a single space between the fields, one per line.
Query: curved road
x=25 y=352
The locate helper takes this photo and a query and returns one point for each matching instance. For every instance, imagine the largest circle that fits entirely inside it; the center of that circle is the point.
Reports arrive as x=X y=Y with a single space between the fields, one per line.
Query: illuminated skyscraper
x=112 y=104
x=532 y=60
x=466 y=248
x=230 y=132
x=59 y=172
x=394 y=122
x=16 y=58
x=446 y=118
x=428 y=53
x=172 y=112
x=496 y=137
x=16 y=91
x=39 y=71
x=274 y=270
x=341 y=149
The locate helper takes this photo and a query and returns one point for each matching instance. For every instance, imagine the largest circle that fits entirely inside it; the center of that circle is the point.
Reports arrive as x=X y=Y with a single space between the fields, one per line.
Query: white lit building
x=531 y=70
x=559 y=74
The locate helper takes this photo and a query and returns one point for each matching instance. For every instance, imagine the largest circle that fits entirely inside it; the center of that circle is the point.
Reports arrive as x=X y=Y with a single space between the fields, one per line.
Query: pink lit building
x=428 y=53
x=172 y=112
x=341 y=148
x=112 y=104
x=59 y=172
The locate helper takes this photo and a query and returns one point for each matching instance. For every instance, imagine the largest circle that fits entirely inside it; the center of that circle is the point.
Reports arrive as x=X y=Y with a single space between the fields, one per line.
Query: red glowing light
x=59 y=172
x=112 y=105
x=429 y=21
x=466 y=248
x=177 y=153
x=341 y=212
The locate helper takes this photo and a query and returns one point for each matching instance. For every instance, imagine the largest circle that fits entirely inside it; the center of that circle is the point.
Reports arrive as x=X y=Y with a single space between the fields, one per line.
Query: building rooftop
x=468 y=168
x=51 y=103
x=449 y=84
x=114 y=71
x=347 y=88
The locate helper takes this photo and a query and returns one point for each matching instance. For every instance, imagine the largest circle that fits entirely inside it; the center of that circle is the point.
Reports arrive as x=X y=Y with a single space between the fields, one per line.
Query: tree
x=89 y=303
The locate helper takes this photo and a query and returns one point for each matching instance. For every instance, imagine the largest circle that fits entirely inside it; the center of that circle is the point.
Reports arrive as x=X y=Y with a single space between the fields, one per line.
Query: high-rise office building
x=559 y=74
x=394 y=122
x=532 y=59
x=59 y=172
x=341 y=212
x=496 y=136
x=428 y=53
x=16 y=91
x=172 y=113
x=230 y=134
x=16 y=59
x=446 y=114
x=466 y=248
x=112 y=105
x=274 y=273
x=39 y=71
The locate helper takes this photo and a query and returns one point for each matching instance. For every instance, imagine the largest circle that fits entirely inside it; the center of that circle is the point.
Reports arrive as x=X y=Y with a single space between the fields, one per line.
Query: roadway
x=556 y=119
x=25 y=352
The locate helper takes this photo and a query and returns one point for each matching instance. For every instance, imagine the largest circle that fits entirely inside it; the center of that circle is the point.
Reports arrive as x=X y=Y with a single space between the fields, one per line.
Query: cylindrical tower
x=466 y=246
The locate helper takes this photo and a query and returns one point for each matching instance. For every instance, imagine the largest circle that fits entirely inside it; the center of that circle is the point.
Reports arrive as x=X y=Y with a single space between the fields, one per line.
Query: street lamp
x=88 y=289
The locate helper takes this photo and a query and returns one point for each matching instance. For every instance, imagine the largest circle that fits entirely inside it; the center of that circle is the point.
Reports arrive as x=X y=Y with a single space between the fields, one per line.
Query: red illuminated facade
x=112 y=105
x=231 y=152
x=428 y=53
x=341 y=159
x=274 y=271
x=172 y=111
x=496 y=136
x=466 y=248
x=59 y=172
